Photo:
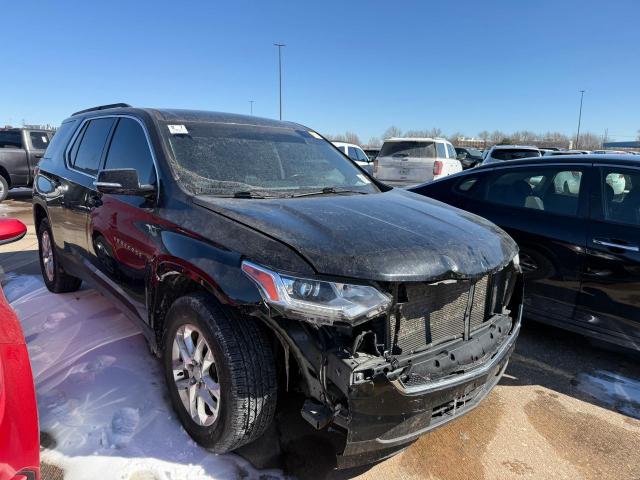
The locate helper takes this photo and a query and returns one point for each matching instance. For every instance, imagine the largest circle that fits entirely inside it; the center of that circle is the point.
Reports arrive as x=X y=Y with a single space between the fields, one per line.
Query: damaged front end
x=407 y=361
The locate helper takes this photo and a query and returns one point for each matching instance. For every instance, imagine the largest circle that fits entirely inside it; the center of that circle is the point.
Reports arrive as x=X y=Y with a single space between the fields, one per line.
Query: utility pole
x=579 y=118
x=251 y=103
x=280 y=45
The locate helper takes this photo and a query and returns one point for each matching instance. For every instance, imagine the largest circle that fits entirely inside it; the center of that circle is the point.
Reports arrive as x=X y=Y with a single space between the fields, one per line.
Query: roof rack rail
x=102 y=107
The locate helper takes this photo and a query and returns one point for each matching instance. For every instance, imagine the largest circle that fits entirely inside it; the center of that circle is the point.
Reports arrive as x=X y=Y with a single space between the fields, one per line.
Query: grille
x=479 y=304
x=431 y=315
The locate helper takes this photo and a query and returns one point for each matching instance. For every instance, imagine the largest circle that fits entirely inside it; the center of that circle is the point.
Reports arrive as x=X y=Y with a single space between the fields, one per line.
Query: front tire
x=220 y=372
x=54 y=276
x=4 y=188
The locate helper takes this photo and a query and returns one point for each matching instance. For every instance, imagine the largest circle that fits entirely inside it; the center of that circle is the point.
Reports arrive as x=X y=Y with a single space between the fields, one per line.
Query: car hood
x=391 y=236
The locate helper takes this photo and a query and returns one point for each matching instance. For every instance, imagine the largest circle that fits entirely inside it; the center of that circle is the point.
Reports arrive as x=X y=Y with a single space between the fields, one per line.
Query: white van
x=404 y=162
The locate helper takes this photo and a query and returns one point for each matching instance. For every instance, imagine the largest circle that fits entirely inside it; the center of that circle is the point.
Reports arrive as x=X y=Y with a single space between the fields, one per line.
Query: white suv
x=500 y=153
x=355 y=153
x=411 y=161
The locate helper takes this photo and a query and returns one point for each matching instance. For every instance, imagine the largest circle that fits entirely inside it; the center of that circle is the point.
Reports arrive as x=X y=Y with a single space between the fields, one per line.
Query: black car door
x=69 y=211
x=122 y=228
x=610 y=298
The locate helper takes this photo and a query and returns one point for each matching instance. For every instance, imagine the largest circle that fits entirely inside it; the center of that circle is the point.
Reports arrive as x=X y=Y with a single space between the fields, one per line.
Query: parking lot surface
x=565 y=408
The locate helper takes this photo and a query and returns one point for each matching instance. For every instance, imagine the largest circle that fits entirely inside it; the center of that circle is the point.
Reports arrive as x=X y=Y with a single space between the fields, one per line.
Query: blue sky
x=348 y=65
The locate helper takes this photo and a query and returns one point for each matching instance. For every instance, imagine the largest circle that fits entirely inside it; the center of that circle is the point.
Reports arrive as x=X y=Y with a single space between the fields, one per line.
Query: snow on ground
x=102 y=396
x=613 y=389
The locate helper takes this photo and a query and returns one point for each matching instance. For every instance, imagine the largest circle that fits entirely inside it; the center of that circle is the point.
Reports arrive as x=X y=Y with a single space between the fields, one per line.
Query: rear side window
x=87 y=151
x=513 y=154
x=553 y=190
x=39 y=140
x=408 y=149
x=129 y=149
x=621 y=195
x=10 y=139
x=451 y=150
x=441 y=150
x=60 y=139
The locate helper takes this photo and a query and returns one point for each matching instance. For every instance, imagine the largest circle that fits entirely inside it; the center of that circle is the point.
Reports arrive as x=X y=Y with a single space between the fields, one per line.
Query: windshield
x=409 y=148
x=232 y=159
x=514 y=153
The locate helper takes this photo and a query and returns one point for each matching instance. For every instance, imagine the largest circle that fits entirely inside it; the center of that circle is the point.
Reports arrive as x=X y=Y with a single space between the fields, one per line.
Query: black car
x=576 y=220
x=469 y=157
x=256 y=257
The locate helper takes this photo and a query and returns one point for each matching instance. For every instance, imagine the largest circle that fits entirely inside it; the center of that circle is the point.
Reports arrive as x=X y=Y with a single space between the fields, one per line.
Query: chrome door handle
x=630 y=248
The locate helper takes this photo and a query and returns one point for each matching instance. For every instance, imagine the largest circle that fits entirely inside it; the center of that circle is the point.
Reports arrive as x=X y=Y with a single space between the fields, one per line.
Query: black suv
x=254 y=254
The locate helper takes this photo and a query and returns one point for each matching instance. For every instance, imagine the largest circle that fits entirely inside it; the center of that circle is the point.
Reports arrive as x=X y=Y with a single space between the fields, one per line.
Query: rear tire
x=55 y=278
x=4 y=188
x=241 y=369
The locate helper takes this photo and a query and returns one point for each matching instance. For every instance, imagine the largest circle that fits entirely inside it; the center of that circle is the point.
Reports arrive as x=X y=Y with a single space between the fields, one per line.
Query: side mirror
x=11 y=230
x=122 y=181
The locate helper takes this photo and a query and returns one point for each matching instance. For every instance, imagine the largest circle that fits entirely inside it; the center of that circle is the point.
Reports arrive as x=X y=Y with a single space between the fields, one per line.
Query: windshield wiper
x=327 y=191
x=250 y=194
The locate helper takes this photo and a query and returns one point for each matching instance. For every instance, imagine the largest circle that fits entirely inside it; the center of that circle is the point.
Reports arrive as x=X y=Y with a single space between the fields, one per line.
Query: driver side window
x=129 y=149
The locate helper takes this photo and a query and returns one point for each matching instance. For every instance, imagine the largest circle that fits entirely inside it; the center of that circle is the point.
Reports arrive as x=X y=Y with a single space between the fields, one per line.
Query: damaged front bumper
x=386 y=413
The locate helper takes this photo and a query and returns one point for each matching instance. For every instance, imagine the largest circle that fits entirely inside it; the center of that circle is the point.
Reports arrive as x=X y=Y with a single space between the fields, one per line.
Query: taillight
x=437 y=167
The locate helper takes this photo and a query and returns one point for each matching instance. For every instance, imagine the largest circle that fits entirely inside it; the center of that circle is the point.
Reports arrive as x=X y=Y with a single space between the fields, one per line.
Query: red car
x=19 y=435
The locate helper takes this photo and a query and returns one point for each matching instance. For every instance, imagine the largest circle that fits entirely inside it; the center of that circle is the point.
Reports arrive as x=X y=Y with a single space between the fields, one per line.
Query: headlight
x=318 y=301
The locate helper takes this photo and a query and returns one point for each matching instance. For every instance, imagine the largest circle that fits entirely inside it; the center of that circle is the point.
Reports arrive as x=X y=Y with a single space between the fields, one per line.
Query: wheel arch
x=39 y=213
x=4 y=173
x=174 y=278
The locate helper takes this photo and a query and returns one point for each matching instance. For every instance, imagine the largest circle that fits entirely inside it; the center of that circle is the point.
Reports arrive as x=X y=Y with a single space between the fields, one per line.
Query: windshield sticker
x=178 y=130
x=315 y=135
x=363 y=178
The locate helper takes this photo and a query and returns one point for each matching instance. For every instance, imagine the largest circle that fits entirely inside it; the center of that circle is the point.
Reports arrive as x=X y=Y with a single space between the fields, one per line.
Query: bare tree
x=435 y=132
x=554 y=139
x=352 y=137
x=337 y=137
x=374 y=142
x=484 y=136
x=455 y=136
x=589 y=141
x=347 y=137
x=392 y=131
x=525 y=137
x=497 y=136
x=416 y=133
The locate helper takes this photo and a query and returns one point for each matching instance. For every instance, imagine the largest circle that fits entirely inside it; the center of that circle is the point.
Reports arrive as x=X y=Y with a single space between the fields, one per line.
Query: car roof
x=504 y=147
x=416 y=139
x=180 y=115
x=578 y=159
x=345 y=144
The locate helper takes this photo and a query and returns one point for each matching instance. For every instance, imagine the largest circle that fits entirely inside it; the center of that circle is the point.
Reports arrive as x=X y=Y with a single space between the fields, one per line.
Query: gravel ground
x=566 y=408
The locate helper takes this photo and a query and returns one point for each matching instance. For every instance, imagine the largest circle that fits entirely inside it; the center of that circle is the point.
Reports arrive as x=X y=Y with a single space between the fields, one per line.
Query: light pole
x=579 y=118
x=280 y=45
x=251 y=103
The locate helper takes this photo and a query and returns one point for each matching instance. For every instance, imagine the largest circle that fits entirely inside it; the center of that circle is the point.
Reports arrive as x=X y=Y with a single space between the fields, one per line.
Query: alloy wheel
x=195 y=375
x=47 y=256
